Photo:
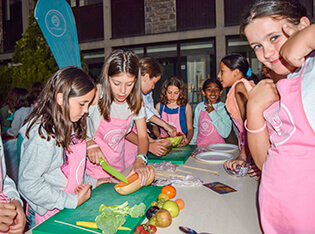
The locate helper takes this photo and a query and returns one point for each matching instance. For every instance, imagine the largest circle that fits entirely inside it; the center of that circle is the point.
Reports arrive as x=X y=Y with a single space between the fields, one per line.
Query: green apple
x=171 y=207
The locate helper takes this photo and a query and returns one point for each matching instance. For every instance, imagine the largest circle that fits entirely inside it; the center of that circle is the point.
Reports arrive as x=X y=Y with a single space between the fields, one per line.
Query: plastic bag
x=239 y=172
x=189 y=180
x=165 y=166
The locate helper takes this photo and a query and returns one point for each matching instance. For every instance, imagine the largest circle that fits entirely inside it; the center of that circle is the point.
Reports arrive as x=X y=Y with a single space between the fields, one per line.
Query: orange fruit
x=169 y=190
x=180 y=203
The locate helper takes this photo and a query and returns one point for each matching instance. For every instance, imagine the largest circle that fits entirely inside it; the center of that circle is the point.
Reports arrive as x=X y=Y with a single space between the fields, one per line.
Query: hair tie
x=249 y=72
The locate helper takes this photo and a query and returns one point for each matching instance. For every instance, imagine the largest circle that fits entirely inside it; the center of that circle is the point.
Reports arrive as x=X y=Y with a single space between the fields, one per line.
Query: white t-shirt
x=118 y=111
x=308 y=85
x=149 y=106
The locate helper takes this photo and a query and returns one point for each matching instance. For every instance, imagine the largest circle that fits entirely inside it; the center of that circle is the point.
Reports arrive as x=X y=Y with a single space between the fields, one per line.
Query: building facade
x=188 y=37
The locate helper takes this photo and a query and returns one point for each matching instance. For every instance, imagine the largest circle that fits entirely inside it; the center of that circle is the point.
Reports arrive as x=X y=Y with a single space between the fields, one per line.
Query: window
x=127 y=18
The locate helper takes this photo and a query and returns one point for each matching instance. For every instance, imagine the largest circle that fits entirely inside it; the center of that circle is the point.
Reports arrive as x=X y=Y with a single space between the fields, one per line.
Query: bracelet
x=144 y=158
x=92 y=146
x=240 y=156
x=254 y=131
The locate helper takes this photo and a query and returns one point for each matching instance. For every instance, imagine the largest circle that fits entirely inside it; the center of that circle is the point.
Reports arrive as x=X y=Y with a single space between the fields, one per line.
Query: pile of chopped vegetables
x=112 y=217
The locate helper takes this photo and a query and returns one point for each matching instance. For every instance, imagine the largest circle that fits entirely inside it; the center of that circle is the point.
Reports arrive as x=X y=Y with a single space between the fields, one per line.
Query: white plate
x=222 y=147
x=214 y=156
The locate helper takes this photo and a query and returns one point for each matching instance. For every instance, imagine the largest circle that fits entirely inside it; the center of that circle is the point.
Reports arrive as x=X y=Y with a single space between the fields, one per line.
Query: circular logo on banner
x=55 y=23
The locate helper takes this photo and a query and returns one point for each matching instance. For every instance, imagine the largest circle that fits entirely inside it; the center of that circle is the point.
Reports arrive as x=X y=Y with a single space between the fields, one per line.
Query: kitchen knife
x=113 y=171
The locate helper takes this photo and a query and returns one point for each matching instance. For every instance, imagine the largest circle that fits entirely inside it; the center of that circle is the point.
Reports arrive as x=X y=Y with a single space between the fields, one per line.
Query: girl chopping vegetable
x=281 y=117
x=53 y=152
x=118 y=103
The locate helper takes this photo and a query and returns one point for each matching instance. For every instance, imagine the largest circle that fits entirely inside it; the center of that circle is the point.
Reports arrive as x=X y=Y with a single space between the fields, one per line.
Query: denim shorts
x=31 y=218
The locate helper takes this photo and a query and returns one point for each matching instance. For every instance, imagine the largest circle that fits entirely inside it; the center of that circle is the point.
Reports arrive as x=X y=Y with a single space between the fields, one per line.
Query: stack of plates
x=218 y=153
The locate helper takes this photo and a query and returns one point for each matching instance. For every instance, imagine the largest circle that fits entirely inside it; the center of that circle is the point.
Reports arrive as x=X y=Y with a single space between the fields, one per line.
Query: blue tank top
x=182 y=115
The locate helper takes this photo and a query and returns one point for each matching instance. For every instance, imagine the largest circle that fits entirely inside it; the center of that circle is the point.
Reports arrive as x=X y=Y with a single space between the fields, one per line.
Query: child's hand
x=209 y=107
x=254 y=171
x=184 y=142
x=7 y=215
x=296 y=47
x=19 y=220
x=157 y=148
x=103 y=180
x=262 y=96
x=95 y=153
x=12 y=217
x=84 y=194
x=141 y=170
x=231 y=164
x=171 y=130
x=79 y=188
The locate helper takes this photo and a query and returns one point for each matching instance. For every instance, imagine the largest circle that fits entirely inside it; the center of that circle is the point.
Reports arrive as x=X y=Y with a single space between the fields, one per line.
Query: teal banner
x=57 y=23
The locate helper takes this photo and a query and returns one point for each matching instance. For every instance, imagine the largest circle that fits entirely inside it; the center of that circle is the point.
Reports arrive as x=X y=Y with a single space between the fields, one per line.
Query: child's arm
x=12 y=216
x=139 y=166
x=94 y=152
x=221 y=121
x=7 y=214
x=189 y=123
x=299 y=44
x=19 y=219
x=172 y=131
x=41 y=182
x=260 y=98
x=160 y=122
x=196 y=122
x=155 y=146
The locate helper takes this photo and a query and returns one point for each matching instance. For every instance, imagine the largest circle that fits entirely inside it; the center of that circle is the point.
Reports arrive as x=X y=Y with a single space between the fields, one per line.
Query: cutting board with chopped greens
x=176 y=156
x=103 y=194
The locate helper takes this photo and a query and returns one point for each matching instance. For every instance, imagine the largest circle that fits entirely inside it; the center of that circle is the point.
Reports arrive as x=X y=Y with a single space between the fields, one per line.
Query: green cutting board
x=179 y=157
x=103 y=194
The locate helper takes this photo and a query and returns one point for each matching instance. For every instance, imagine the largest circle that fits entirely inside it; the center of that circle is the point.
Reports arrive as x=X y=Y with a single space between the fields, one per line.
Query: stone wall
x=160 y=16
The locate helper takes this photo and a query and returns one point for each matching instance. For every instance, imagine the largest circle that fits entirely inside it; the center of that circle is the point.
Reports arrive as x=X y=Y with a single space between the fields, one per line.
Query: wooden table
x=208 y=211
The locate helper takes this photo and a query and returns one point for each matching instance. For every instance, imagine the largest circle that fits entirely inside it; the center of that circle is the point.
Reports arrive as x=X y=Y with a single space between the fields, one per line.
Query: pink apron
x=131 y=151
x=76 y=159
x=207 y=133
x=287 y=189
x=110 y=136
x=172 y=119
x=233 y=109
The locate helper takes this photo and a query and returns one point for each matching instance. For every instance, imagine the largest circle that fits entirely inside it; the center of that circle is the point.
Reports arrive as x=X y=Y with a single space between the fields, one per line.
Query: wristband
x=92 y=146
x=144 y=158
x=254 y=131
x=240 y=156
